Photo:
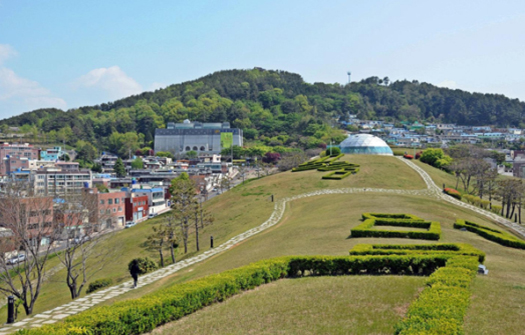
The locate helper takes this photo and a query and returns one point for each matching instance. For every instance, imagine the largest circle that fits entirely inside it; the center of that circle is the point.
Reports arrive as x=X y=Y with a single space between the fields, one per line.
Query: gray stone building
x=179 y=138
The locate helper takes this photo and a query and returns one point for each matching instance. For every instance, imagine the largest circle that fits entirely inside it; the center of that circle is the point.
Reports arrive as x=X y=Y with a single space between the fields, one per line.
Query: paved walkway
x=93 y=299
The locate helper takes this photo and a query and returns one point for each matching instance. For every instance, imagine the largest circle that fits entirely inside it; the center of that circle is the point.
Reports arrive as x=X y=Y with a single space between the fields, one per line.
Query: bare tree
x=28 y=222
x=183 y=201
x=78 y=217
x=290 y=160
x=156 y=240
x=202 y=218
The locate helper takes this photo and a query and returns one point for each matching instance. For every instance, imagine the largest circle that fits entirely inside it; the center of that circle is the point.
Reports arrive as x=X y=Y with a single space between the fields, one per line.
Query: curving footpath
x=93 y=299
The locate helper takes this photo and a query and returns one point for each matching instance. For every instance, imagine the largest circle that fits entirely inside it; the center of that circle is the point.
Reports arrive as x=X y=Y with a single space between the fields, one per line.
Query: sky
x=71 y=53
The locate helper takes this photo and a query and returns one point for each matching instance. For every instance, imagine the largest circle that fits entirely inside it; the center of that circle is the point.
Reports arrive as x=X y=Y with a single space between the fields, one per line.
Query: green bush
x=145 y=264
x=496 y=209
x=98 y=284
x=419 y=249
x=365 y=229
x=443 y=302
x=337 y=175
x=494 y=235
x=334 y=151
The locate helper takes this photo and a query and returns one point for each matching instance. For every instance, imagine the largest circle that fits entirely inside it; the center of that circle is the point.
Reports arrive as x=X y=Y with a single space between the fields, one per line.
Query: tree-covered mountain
x=274 y=107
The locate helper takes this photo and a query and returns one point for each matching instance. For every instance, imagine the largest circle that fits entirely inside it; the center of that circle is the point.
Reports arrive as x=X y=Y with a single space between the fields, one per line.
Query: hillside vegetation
x=273 y=107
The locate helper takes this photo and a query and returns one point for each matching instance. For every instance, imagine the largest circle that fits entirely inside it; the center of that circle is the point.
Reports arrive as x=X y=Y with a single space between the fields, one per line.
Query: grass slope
x=321 y=225
x=322 y=305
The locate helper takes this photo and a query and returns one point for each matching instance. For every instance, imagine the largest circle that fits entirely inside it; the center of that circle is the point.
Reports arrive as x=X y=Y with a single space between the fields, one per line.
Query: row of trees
x=475 y=175
x=187 y=218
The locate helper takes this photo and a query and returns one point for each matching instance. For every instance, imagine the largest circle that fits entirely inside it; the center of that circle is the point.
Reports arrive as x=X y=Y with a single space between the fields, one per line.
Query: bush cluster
x=317 y=163
x=145 y=264
x=453 y=193
x=365 y=229
x=418 y=249
x=150 y=311
x=494 y=235
x=477 y=201
x=98 y=284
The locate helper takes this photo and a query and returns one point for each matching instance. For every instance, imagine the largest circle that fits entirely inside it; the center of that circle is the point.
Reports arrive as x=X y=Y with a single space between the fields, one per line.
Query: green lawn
x=317 y=305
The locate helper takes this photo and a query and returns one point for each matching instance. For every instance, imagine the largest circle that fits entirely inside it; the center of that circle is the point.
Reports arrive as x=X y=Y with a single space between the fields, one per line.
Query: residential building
x=110 y=209
x=14 y=153
x=136 y=207
x=58 y=182
x=52 y=154
x=156 y=199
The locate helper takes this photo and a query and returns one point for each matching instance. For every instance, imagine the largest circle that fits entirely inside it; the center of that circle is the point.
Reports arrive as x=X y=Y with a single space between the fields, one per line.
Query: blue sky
x=72 y=53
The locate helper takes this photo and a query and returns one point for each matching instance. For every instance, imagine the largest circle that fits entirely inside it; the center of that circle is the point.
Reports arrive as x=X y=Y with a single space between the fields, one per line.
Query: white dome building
x=365 y=144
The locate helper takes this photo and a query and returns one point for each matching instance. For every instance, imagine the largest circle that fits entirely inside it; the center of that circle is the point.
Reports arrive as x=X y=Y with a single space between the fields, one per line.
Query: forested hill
x=276 y=107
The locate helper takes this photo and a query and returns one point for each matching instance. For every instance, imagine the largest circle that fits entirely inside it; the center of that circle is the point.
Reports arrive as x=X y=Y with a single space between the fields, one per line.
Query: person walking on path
x=134 y=270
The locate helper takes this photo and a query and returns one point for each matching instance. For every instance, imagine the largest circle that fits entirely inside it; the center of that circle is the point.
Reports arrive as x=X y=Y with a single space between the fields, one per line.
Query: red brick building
x=15 y=153
x=111 y=208
x=136 y=207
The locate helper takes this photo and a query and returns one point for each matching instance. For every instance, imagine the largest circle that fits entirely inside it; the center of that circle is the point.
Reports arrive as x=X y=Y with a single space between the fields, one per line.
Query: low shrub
x=333 y=151
x=337 y=175
x=453 y=193
x=441 y=307
x=496 y=209
x=145 y=264
x=444 y=298
x=419 y=249
x=494 y=235
x=98 y=284
x=365 y=229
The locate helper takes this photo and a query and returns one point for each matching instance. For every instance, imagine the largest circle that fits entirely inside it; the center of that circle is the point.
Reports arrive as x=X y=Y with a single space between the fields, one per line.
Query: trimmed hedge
x=150 y=311
x=418 y=249
x=494 y=235
x=98 y=284
x=340 y=169
x=365 y=229
x=337 y=175
x=441 y=307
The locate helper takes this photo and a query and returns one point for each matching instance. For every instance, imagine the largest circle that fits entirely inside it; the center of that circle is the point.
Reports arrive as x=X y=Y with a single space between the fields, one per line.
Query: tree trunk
x=161 y=257
x=172 y=252
x=197 y=231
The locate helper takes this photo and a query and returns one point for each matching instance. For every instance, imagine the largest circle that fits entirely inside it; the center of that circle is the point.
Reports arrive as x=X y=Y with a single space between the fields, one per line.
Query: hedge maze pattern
x=366 y=229
x=338 y=169
x=494 y=235
x=439 y=309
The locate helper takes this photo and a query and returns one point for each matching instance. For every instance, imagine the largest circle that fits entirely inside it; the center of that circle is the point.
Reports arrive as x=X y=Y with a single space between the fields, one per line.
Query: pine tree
x=119 y=168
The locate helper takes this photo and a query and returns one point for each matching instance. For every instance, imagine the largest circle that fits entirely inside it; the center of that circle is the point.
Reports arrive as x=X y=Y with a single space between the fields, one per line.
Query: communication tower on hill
x=349 y=73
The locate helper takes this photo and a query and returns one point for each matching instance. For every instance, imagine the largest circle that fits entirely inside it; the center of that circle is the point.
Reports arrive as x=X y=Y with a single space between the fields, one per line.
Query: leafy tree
x=191 y=154
x=165 y=154
x=119 y=168
x=333 y=151
x=96 y=168
x=137 y=164
x=271 y=157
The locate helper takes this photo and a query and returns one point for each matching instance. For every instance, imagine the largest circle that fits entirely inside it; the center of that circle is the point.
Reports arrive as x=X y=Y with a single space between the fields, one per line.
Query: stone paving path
x=93 y=299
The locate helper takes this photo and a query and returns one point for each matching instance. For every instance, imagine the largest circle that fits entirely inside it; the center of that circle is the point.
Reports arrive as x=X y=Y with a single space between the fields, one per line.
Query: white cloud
x=112 y=80
x=18 y=94
x=448 y=84
x=6 y=52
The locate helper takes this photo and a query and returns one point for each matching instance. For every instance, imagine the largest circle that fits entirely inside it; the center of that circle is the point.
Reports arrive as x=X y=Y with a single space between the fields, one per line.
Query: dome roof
x=365 y=144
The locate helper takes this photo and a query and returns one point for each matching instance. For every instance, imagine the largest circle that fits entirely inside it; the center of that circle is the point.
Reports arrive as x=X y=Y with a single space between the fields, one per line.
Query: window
x=101 y=211
x=108 y=211
x=202 y=148
x=120 y=209
x=101 y=202
x=47 y=224
x=117 y=201
x=188 y=149
x=114 y=210
x=195 y=148
x=110 y=201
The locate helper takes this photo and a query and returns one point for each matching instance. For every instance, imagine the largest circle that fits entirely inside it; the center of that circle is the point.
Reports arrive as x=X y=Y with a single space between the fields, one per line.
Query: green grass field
x=323 y=305
x=321 y=225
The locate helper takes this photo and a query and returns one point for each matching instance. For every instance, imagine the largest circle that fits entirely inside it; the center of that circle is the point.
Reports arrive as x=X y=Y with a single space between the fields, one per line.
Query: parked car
x=130 y=224
x=16 y=259
x=152 y=215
